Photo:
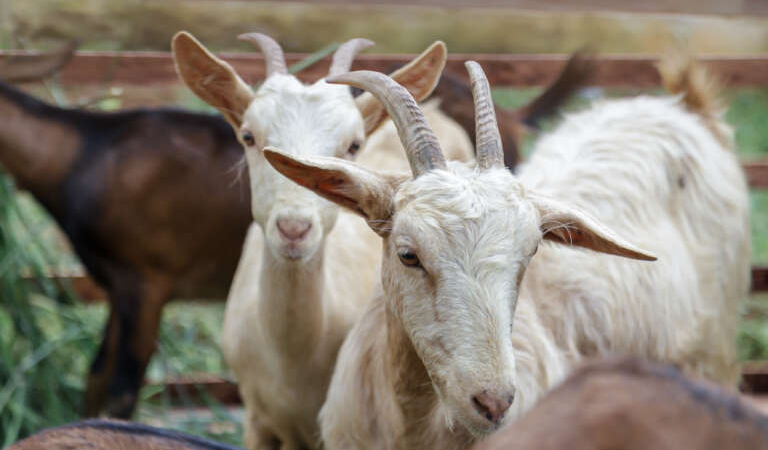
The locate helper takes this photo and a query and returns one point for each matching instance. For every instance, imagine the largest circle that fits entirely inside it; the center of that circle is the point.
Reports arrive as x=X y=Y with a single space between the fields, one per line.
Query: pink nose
x=492 y=406
x=293 y=229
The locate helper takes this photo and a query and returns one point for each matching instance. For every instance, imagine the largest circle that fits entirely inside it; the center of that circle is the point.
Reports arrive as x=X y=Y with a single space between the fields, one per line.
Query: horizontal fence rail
x=699 y=7
x=90 y=291
x=192 y=390
x=142 y=68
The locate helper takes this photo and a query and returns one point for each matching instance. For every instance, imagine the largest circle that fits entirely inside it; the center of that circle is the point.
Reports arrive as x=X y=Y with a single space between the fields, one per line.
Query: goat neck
x=293 y=296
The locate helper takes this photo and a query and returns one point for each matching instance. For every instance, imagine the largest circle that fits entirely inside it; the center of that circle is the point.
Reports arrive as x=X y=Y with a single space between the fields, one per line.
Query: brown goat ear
x=343 y=182
x=210 y=78
x=420 y=77
x=570 y=226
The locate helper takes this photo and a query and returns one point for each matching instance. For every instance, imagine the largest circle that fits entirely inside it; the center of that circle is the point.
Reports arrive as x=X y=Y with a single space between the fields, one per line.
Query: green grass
x=37 y=338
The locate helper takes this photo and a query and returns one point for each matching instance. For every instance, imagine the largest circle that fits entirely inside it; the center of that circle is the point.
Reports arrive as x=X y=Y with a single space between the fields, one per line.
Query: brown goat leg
x=114 y=435
x=103 y=367
x=130 y=341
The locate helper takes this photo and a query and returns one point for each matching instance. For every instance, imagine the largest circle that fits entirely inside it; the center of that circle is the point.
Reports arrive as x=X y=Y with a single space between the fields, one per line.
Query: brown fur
x=627 y=404
x=682 y=74
x=114 y=435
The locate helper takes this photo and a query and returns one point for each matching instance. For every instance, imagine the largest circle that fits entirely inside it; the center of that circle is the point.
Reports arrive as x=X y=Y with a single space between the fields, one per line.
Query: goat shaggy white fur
x=409 y=372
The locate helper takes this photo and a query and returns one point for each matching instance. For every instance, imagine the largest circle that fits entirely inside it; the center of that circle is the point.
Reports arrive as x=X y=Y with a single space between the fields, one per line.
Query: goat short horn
x=488 y=140
x=273 y=54
x=345 y=54
x=419 y=141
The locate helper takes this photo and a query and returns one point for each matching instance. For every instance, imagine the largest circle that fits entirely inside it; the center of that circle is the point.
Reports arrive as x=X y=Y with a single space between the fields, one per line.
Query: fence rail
x=502 y=70
x=699 y=7
x=189 y=390
x=142 y=68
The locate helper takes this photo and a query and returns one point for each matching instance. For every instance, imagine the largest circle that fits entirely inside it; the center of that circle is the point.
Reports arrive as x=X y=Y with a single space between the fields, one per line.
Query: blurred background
x=48 y=336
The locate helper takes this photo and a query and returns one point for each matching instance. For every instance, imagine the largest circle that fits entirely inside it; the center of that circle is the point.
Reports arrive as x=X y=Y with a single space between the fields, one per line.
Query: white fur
x=290 y=306
x=646 y=168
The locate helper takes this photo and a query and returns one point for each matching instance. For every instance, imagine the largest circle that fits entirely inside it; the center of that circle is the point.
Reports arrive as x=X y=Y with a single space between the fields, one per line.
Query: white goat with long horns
x=436 y=361
x=307 y=270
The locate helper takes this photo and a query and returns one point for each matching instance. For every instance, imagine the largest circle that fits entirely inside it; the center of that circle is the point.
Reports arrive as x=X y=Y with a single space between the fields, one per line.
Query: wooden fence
x=697 y=7
x=143 y=68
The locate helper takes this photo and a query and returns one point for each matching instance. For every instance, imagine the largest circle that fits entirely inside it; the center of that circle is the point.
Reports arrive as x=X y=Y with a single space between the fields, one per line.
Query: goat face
x=457 y=241
x=318 y=120
x=459 y=245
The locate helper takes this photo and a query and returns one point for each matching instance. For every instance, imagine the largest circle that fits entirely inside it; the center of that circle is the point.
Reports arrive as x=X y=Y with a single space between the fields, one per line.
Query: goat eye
x=353 y=148
x=409 y=259
x=248 y=138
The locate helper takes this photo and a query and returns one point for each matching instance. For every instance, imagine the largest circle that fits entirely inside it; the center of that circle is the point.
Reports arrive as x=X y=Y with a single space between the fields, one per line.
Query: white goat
x=436 y=361
x=307 y=270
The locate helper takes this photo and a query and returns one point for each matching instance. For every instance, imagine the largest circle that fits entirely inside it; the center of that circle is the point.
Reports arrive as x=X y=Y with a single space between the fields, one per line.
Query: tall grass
x=37 y=387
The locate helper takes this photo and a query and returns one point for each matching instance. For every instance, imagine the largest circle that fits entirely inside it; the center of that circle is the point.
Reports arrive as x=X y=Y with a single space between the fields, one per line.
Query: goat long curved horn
x=419 y=141
x=488 y=146
x=345 y=54
x=273 y=53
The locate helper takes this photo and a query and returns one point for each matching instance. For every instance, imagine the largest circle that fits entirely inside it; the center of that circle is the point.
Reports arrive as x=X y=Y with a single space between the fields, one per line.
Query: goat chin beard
x=481 y=433
x=298 y=253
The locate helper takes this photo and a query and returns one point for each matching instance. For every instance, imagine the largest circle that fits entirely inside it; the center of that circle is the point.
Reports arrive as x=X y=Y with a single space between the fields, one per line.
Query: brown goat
x=114 y=435
x=627 y=404
x=152 y=206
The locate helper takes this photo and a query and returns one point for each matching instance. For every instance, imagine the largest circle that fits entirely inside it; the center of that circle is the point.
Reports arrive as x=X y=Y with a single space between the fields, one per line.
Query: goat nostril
x=294 y=229
x=490 y=406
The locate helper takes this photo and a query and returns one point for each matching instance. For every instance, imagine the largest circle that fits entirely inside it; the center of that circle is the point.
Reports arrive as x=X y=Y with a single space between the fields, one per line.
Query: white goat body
x=664 y=176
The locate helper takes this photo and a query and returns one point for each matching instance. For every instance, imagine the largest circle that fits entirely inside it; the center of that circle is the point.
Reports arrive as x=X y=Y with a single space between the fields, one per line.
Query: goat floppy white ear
x=570 y=226
x=210 y=78
x=342 y=182
x=420 y=77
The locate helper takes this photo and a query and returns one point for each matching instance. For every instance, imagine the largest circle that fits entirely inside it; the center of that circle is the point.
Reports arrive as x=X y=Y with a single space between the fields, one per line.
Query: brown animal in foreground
x=628 y=404
x=114 y=435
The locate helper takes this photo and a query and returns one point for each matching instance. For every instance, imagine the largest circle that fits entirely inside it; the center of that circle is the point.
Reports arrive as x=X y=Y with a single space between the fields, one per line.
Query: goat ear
x=420 y=77
x=210 y=78
x=567 y=225
x=342 y=182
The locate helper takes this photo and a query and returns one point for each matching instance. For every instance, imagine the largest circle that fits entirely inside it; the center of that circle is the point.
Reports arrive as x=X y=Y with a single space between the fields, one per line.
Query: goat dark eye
x=409 y=259
x=248 y=138
x=353 y=148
